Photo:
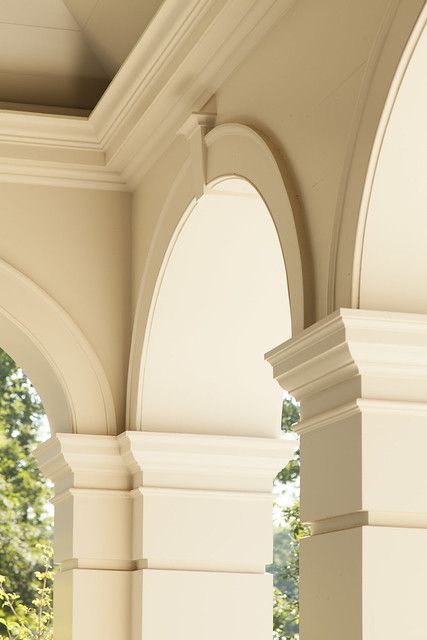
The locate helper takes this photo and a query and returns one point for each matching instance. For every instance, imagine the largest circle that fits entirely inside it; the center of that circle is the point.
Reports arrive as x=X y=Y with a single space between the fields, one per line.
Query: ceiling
x=63 y=53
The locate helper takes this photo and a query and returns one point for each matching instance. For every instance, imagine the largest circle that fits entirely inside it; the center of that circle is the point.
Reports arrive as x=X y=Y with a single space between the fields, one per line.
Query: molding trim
x=401 y=520
x=189 y=461
x=183 y=56
x=60 y=174
x=80 y=461
x=355 y=363
x=360 y=407
x=162 y=461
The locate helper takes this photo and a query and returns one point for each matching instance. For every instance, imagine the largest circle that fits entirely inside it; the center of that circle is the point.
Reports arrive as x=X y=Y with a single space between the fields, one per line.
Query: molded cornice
x=366 y=357
x=191 y=461
x=182 y=58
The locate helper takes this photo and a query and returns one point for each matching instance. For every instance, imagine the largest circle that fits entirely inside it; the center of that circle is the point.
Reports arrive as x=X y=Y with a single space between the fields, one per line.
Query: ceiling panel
x=46 y=51
x=65 y=52
x=112 y=28
x=81 y=9
x=45 y=13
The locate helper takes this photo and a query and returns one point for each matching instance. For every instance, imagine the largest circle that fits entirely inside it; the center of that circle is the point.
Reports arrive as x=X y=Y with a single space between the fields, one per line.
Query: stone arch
x=41 y=337
x=230 y=151
x=384 y=80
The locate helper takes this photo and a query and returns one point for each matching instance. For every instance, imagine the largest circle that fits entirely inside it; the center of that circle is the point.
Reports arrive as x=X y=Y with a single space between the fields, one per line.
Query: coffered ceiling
x=64 y=53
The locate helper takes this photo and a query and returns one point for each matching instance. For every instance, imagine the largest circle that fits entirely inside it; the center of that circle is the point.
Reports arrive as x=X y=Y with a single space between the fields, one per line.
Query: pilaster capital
x=83 y=461
x=193 y=461
x=362 y=354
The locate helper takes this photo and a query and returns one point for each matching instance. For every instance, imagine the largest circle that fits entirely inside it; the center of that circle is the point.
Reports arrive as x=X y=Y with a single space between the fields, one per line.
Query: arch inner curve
x=393 y=271
x=221 y=304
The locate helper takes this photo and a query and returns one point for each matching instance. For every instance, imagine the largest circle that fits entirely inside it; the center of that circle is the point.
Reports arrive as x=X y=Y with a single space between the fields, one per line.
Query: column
x=92 y=536
x=202 y=534
x=361 y=378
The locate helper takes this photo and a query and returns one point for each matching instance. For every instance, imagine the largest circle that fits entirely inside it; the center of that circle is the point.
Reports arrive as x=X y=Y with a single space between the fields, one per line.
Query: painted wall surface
x=395 y=235
x=222 y=303
x=74 y=244
x=299 y=88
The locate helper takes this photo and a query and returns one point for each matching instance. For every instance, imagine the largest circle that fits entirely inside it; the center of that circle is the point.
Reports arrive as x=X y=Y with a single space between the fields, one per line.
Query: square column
x=202 y=534
x=92 y=536
x=162 y=536
x=361 y=378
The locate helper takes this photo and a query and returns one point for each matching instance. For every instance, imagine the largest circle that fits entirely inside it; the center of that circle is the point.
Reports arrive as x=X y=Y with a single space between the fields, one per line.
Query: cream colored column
x=361 y=377
x=202 y=535
x=92 y=540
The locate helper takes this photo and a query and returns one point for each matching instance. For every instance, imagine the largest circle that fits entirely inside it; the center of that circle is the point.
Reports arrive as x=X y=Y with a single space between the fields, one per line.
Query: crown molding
x=181 y=59
x=60 y=174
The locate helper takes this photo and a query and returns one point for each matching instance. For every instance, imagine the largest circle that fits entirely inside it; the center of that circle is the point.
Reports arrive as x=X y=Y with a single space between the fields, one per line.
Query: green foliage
x=290 y=413
x=24 y=494
x=285 y=567
x=290 y=416
x=21 y=622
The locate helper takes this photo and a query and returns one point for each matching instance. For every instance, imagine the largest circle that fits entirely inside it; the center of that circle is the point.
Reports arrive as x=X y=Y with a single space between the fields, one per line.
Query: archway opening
x=26 y=514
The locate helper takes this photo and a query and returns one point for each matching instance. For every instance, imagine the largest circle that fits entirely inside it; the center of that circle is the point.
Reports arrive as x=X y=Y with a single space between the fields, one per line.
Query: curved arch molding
x=54 y=353
x=396 y=43
x=229 y=150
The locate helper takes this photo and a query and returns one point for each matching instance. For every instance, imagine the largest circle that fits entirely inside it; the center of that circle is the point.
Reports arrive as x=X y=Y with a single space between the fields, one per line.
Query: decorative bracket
x=195 y=129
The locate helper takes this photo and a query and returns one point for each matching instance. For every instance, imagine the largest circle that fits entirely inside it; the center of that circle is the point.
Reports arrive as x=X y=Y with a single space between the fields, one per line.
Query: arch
x=232 y=150
x=386 y=70
x=40 y=336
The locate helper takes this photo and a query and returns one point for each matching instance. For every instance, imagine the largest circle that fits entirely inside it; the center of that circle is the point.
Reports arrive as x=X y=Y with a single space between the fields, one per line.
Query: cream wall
x=306 y=87
x=74 y=244
x=395 y=232
x=299 y=88
x=222 y=302
x=148 y=199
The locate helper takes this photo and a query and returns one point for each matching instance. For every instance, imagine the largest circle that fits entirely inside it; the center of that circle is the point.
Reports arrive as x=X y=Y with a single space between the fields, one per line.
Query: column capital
x=80 y=461
x=361 y=354
x=192 y=461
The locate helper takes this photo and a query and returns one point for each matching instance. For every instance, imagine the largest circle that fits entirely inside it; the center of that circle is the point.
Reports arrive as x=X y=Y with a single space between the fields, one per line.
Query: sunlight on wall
x=223 y=302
